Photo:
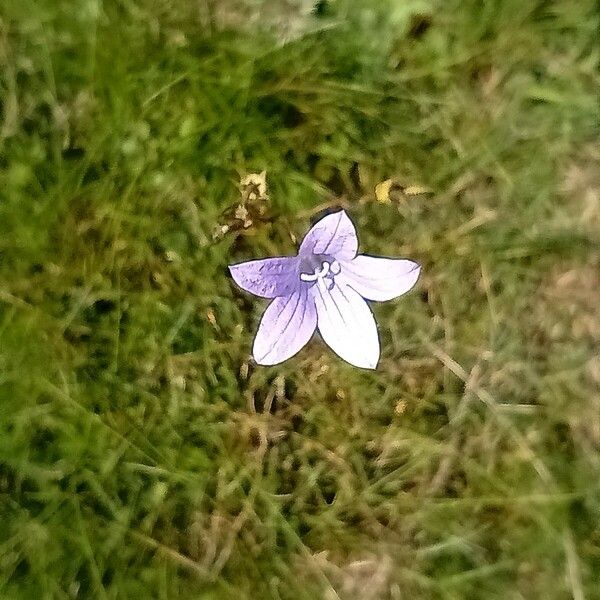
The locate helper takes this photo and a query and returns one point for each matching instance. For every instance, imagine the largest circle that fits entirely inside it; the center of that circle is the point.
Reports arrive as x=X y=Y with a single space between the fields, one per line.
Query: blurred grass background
x=142 y=455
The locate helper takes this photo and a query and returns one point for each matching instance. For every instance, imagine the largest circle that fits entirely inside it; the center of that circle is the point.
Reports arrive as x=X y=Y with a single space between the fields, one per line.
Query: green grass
x=142 y=454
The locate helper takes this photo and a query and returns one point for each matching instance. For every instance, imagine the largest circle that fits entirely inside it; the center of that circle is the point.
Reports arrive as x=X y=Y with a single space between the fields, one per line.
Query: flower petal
x=346 y=324
x=268 y=277
x=379 y=279
x=285 y=328
x=334 y=235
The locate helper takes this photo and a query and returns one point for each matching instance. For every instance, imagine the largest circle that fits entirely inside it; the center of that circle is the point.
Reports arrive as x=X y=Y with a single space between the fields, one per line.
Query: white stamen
x=307 y=277
x=335 y=267
x=318 y=274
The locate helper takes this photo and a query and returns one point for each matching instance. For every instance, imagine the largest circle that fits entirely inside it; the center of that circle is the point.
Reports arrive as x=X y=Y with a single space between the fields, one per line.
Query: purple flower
x=324 y=288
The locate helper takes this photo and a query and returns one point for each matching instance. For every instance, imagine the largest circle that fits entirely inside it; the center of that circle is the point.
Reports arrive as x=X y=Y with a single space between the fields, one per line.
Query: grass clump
x=143 y=456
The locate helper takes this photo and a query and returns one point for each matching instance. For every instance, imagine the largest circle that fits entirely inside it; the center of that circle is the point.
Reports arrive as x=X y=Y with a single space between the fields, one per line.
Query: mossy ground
x=143 y=456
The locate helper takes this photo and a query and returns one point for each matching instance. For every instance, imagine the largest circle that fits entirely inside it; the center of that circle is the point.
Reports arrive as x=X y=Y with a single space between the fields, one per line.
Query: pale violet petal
x=379 y=279
x=346 y=324
x=267 y=277
x=334 y=234
x=285 y=328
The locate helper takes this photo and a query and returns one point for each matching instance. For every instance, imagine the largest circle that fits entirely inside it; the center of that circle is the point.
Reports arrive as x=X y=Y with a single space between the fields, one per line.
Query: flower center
x=319 y=268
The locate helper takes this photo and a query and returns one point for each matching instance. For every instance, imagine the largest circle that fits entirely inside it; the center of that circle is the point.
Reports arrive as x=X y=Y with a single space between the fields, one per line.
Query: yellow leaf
x=416 y=190
x=382 y=191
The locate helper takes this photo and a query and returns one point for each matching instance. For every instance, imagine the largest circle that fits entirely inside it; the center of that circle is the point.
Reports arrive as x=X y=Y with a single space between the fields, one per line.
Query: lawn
x=143 y=454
